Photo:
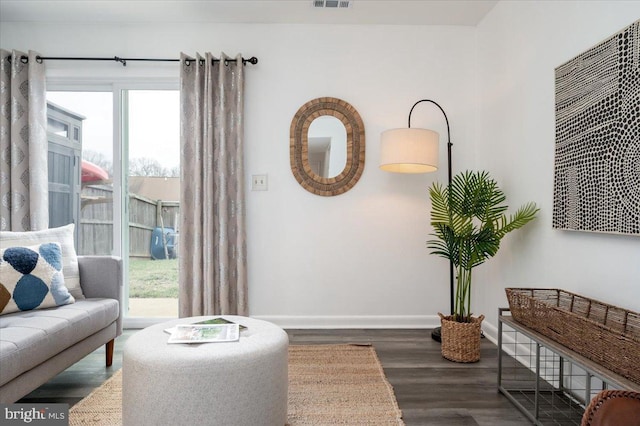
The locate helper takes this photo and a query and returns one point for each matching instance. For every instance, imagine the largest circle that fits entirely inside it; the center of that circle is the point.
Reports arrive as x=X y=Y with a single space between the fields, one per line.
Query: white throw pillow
x=62 y=235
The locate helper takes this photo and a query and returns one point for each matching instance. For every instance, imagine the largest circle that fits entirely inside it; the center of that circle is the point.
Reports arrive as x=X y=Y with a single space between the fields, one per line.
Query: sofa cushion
x=29 y=338
x=31 y=278
x=62 y=235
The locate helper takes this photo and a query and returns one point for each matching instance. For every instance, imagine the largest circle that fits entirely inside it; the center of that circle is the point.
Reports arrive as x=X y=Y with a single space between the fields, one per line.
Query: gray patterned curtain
x=213 y=261
x=24 y=192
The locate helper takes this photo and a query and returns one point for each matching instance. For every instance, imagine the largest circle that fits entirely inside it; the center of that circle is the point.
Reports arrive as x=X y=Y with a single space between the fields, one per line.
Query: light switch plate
x=259 y=183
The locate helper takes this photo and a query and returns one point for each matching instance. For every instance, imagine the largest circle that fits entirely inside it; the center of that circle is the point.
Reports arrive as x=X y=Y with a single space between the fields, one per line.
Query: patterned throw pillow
x=62 y=235
x=31 y=278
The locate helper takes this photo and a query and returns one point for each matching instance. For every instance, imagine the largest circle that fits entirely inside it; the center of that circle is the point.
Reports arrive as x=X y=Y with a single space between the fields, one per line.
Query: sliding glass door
x=114 y=171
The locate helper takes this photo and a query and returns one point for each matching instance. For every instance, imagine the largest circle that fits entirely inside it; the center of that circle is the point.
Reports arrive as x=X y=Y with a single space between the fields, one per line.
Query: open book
x=204 y=333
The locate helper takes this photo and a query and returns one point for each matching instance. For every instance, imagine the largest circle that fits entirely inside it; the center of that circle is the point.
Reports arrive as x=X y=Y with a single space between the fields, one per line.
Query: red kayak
x=92 y=172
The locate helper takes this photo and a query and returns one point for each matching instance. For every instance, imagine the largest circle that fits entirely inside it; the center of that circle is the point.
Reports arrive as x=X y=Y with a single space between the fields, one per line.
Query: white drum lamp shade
x=409 y=150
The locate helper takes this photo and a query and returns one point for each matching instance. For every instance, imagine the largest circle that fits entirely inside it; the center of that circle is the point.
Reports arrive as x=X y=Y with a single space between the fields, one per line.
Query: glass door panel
x=80 y=159
x=152 y=135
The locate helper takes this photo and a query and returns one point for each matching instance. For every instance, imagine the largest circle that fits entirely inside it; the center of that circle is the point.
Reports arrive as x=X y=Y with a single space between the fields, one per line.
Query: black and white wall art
x=597 y=151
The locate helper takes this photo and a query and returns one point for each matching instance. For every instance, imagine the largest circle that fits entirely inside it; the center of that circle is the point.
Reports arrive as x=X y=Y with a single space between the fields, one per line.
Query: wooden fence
x=96 y=221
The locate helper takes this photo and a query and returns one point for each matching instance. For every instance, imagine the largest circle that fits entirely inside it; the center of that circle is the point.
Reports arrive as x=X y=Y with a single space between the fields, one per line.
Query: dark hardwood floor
x=430 y=390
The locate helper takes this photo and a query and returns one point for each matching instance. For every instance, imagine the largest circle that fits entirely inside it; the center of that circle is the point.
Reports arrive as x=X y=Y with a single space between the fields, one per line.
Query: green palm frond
x=521 y=217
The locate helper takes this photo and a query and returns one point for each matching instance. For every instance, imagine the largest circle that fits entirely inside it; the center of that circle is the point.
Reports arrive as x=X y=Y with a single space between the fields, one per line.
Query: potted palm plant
x=469 y=221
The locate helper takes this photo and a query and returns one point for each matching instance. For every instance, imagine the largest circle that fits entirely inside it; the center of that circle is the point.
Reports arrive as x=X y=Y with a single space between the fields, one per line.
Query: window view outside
x=154 y=202
x=80 y=132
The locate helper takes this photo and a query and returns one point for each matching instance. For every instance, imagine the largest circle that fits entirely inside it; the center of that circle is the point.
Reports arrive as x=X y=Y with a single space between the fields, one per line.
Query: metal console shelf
x=548 y=382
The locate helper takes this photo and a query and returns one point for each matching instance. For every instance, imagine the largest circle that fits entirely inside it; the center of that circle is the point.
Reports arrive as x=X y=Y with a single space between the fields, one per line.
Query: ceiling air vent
x=331 y=4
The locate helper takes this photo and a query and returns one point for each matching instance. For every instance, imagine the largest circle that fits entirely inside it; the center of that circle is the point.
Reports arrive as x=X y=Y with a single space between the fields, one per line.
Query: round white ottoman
x=241 y=383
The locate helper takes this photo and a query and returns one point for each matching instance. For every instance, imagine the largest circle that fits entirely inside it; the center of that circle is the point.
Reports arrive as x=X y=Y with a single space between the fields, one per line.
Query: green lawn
x=153 y=278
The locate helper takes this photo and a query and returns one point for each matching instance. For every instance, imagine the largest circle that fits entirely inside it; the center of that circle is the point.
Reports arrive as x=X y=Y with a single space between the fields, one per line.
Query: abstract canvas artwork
x=597 y=151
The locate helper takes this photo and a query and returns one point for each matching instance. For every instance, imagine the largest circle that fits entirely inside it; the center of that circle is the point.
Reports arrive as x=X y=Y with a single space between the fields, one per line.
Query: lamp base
x=436 y=334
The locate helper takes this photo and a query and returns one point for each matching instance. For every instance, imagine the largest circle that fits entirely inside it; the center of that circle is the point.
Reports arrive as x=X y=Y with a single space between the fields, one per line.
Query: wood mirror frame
x=299 y=146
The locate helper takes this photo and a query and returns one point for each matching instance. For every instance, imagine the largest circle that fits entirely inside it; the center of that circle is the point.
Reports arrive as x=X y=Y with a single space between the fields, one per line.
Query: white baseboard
x=351 y=321
x=336 y=321
x=490 y=332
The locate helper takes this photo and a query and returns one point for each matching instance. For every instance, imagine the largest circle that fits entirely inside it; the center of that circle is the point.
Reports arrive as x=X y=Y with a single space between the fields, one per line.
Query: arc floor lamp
x=414 y=150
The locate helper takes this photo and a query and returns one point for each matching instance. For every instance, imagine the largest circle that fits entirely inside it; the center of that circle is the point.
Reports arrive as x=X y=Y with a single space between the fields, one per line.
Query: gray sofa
x=37 y=345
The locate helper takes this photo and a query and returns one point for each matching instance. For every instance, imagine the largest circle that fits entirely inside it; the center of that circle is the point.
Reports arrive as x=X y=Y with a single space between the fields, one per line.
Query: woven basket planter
x=461 y=340
x=605 y=334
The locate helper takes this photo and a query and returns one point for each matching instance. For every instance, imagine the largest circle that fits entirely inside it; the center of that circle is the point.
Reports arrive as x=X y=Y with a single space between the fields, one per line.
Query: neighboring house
x=155 y=188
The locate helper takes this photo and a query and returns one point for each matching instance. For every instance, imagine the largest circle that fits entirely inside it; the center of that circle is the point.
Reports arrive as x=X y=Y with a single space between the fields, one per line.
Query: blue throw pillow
x=31 y=278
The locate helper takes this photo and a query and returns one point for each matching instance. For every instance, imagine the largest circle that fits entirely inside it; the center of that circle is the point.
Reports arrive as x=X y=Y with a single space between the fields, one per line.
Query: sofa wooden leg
x=109 y=349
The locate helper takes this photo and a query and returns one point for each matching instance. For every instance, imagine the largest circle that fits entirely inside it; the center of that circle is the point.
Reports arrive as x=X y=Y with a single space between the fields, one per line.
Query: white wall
x=360 y=258
x=353 y=260
x=519 y=46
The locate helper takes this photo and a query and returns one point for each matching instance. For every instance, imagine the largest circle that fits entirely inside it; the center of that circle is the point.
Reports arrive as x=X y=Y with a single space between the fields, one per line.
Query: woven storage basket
x=460 y=340
x=606 y=334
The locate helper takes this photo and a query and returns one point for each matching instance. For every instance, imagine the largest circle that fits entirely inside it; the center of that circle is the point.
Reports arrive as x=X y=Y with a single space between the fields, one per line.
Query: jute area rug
x=328 y=385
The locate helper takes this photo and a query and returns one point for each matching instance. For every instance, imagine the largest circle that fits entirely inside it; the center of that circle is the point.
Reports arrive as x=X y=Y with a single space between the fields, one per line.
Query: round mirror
x=327 y=146
x=327 y=139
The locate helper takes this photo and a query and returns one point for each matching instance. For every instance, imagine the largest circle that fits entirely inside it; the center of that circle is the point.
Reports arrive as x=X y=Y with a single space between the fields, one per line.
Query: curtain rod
x=25 y=59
